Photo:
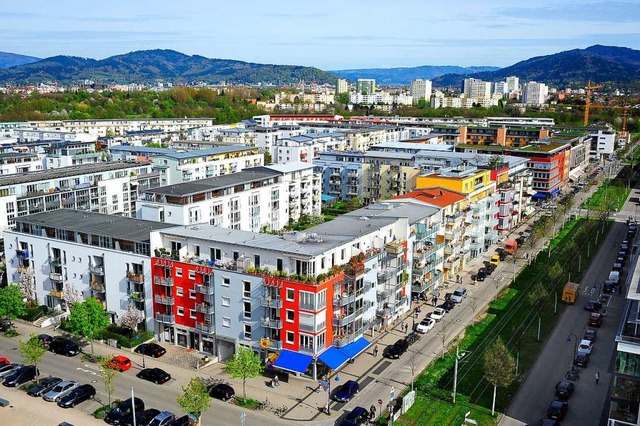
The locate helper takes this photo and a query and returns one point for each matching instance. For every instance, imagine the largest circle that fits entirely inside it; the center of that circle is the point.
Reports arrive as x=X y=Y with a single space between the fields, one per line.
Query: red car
x=4 y=361
x=120 y=363
x=595 y=319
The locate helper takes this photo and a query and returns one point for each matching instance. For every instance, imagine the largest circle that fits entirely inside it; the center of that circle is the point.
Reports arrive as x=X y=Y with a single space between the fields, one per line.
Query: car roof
x=459 y=289
x=585 y=342
x=163 y=415
x=121 y=358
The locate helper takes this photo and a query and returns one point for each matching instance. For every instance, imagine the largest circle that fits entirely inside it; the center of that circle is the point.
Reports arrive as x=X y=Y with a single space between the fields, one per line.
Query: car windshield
x=58 y=388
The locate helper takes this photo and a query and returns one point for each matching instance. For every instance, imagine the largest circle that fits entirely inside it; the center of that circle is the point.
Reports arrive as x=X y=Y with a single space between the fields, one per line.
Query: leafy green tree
x=109 y=376
x=87 y=319
x=32 y=351
x=11 y=302
x=195 y=398
x=499 y=368
x=244 y=365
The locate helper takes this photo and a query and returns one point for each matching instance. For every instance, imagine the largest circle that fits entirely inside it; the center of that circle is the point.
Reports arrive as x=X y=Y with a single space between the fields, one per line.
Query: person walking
x=597 y=377
x=375 y=351
x=276 y=381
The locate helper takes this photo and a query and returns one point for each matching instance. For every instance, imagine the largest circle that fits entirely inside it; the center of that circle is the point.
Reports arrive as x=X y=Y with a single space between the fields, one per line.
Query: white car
x=585 y=346
x=437 y=314
x=60 y=390
x=425 y=325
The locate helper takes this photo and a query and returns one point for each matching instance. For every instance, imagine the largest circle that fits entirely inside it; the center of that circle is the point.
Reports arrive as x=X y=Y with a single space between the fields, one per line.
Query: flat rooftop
x=406 y=208
x=182 y=154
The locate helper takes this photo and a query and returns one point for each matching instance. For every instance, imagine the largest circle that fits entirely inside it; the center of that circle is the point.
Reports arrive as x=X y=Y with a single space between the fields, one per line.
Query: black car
x=44 y=386
x=76 y=396
x=557 y=410
x=447 y=305
x=564 y=390
x=45 y=339
x=182 y=421
x=347 y=391
x=21 y=376
x=590 y=334
x=609 y=287
x=123 y=411
x=502 y=254
x=581 y=359
x=221 y=391
x=153 y=350
x=592 y=306
x=143 y=418
x=490 y=267
x=412 y=337
x=549 y=422
x=62 y=346
x=155 y=375
x=481 y=275
x=398 y=348
x=358 y=416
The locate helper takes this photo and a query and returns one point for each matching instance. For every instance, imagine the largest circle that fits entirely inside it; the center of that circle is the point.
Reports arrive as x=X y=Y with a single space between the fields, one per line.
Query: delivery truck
x=510 y=247
x=570 y=292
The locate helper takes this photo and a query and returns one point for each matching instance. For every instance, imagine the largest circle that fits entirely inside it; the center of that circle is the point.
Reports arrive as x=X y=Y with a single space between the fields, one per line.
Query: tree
x=499 y=368
x=28 y=285
x=131 y=318
x=537 y=295
x=566 y=204
x=109 y=376
x=195 y=398
x=32 y=351
x=11 y=302
x=70 y=294
x=244 y=365
x=87 y=318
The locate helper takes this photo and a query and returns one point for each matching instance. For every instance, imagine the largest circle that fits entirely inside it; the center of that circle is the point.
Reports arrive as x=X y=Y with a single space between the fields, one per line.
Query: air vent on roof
x=315 y=238
x=364 y=218
x=294 y=236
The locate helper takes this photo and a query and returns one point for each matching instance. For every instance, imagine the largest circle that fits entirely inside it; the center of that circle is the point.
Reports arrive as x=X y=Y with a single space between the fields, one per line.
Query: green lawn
x=612 y=194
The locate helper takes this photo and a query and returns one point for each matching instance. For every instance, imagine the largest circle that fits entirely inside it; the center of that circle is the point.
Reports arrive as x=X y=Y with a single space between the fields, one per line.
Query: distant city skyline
x=327 y=34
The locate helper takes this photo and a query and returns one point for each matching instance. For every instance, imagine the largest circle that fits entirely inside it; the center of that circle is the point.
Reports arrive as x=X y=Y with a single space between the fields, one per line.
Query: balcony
x=275 y=344
x=388 y=273
x=99 y=287
x=395 y=248
x=420 y=288
x=23 y=269
x=55 y=261
x=204 y=289
x=166 y=319
x=168 y=282
x=344 y=300
x=205 y=328
x=269 y=302
x=271 y=323
x=135 y=278
x=205 y=308
x=22 y=254
x=162 y=300
x=55 y=276
x=97 y=270
x=56 y=293
x=137 y=296
x=348 y=319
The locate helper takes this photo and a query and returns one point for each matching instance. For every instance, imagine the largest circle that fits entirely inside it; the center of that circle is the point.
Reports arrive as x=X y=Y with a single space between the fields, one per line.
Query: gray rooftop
x=293 y=166
x=181 y=154
x=214 y=183
x=413 y=211
x=388 y=146
x=389 y=154
x=120 y=227
x=63 y=172
x=11 y=154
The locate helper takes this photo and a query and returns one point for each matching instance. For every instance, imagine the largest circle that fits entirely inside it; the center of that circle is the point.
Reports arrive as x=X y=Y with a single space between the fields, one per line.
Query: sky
x=328 y=34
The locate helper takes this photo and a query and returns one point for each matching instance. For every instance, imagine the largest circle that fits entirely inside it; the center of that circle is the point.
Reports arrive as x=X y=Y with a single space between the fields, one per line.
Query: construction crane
x=588 y=103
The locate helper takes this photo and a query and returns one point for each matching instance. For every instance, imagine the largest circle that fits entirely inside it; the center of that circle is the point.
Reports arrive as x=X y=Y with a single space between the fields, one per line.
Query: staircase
x=39 y=321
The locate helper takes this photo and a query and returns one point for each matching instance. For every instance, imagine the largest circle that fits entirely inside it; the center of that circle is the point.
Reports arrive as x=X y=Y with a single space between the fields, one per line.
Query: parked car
x=581 y=360
x=398 y=348
x=153 y=350
x=8 y=369
x=60 y=390
x=358 y=416
x=447 y=305
x=481 y=275
x=459 y=295
x=490 y=267
x=347 y=391
x=437 y=314
x=592 y=306
x=501 y=253
x=163 y=418
x=590 y=334
x=221 y=391
x=143 y=418
x=155 y=375
x=564 y=390
x=124 y=410
x=76 y=396
x=120 y=363
x=557 y=410
x=45 y=339
x=62 y=346
x=181 y=421
x=44 y=386
x=595 y=319
x=412 y=337
x=425 y=325
x=585 y=346
x=20 y=376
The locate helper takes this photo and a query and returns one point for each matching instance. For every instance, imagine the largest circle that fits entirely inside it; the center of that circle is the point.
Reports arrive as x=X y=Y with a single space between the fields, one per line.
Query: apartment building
x=263 y=197
x=380 y=98
x=342 y=86
x=534 y=93
x=120 y=127
x=307 y=147
x=177 y=166
x=474 y=88
x=420 y=90
x=110 y=188
x=104 y=257
x=12 y=162
x=71 y=153
x=365 y=86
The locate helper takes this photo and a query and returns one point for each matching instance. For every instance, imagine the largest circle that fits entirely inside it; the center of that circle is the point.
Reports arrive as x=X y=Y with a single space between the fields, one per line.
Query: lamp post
x=575 y=345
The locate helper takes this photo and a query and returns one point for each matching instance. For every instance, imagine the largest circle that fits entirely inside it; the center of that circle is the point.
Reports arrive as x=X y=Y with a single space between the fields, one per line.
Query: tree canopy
x=244 y=365
x=32 y=351
x=195 y=398
x=11 y=302
x=87 y=318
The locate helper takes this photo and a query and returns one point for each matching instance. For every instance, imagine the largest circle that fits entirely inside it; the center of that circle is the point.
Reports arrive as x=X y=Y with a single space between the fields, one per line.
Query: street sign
x=325 y=385
x=392 y=393
x=380 y=402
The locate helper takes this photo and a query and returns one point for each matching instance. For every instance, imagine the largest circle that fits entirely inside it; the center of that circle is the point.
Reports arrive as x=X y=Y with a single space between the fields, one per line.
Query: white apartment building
x=513 y=84
x=534 y=93
x=342 y=86
x=250 y=200
x=420 y=89
x=308 y=146
x=178 y=165
x=19 y=162
x=68 y=153
x=439 y=100
x=602 y=143
x=365 y=86
x=101 y=256
x=380 y=98
x=110 y=188
x=47 y=134
x=120 y=127
x=474 y=88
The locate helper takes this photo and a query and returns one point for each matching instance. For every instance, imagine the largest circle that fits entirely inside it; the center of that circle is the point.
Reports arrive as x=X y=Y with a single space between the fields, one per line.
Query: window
x=307 y=300
x=226 y=281
x=179 y=291
x=290 y=294
x=322 y=299
x=192 y=314
x=343 y=253
x=246 y=312
x=226 y=322
x=279 y=264
x=247 y=331
x=178 y=272
x=291 y=314
x=196 y=250
x=256 y=260
x=226 y=301
x=192 y=294
x=216 y=254
x=246 y=291
x=180 y=311
x=306 y=343
x=192 y=275
x=290 y=337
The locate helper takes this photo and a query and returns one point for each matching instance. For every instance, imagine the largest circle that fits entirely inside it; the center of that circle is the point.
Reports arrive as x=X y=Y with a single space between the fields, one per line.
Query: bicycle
x=280 y=411
x=572 y=376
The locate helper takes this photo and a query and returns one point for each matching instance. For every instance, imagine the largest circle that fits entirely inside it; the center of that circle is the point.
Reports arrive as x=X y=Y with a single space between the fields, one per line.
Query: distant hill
x=8 y=60
x=148 y=66
x=596 y=63
x=404 y=76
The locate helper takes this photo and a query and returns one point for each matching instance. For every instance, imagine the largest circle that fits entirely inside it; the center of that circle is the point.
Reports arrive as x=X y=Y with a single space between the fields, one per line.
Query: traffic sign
x=380 y=402
x=392 y=393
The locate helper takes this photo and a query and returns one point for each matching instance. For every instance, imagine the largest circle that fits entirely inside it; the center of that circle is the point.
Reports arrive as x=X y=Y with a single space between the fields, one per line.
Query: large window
x=628 y=364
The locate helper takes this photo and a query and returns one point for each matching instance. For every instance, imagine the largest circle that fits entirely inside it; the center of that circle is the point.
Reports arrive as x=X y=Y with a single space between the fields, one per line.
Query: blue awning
x=554 y=191
x=333 y=358
x=326 y=198
x=539 y=195
x=293 y=361
x=353 y=349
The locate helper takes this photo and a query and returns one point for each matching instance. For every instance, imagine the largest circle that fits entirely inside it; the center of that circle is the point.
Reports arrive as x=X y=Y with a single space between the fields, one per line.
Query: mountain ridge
x=8 y=60
x=405 y=75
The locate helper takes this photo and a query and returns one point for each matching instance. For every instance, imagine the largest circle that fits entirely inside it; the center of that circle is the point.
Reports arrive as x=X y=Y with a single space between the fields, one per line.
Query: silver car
x=8 y=369
x=61 y=389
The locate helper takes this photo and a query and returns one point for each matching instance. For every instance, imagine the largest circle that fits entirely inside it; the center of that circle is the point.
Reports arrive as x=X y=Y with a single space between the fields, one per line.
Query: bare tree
x=445 y=327
x=70 y=294
x=413 y=364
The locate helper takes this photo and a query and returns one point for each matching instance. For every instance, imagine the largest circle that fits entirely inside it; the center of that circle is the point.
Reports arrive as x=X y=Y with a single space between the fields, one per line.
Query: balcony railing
x=161 y=300
x=348 y=319
x=275 y=344
x=204 y=308
x=99 y=287
x=344 y=300
x=96 y=270
x=205 y=328
x=22 y=254
x=56 y=293
x=420 y=288
x=137 y=295
x=55 y=261
x=271 y=302
x=204 y=289
x=271 y=323
x=55 y=276
x=163 y=281
x=135 y=278
x=166 y=319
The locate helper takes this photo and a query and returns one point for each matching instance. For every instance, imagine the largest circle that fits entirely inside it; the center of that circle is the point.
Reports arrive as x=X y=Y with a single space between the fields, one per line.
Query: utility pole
x=455 y=375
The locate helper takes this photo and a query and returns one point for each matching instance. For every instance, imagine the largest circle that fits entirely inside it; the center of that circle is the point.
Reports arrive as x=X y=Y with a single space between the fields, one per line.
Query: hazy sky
x=329 y=34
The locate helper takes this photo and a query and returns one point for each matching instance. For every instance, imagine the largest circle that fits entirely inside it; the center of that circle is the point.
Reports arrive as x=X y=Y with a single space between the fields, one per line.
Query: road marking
x=87 y=371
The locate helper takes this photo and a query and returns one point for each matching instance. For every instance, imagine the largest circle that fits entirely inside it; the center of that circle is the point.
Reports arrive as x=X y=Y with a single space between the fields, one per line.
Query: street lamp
x=326 y=385
x=575 y=345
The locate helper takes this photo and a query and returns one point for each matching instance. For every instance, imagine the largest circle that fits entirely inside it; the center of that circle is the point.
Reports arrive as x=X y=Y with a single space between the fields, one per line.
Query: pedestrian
x=458 y=278
x=406 y=327
x=375 y=351
x=597 y=377
x=372 y=412
x=276 y=381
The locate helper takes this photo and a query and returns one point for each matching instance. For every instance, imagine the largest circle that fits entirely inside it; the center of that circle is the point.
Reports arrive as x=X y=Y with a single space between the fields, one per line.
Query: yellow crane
x=588 y=102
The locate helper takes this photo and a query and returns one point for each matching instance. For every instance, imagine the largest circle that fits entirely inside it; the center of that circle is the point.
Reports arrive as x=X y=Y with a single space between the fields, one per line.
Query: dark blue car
x=347 y=391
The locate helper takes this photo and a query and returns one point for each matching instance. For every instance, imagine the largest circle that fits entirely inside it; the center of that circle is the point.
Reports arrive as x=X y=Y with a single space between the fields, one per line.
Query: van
x=614 y=276
x=458 y=295
x=570 y=292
